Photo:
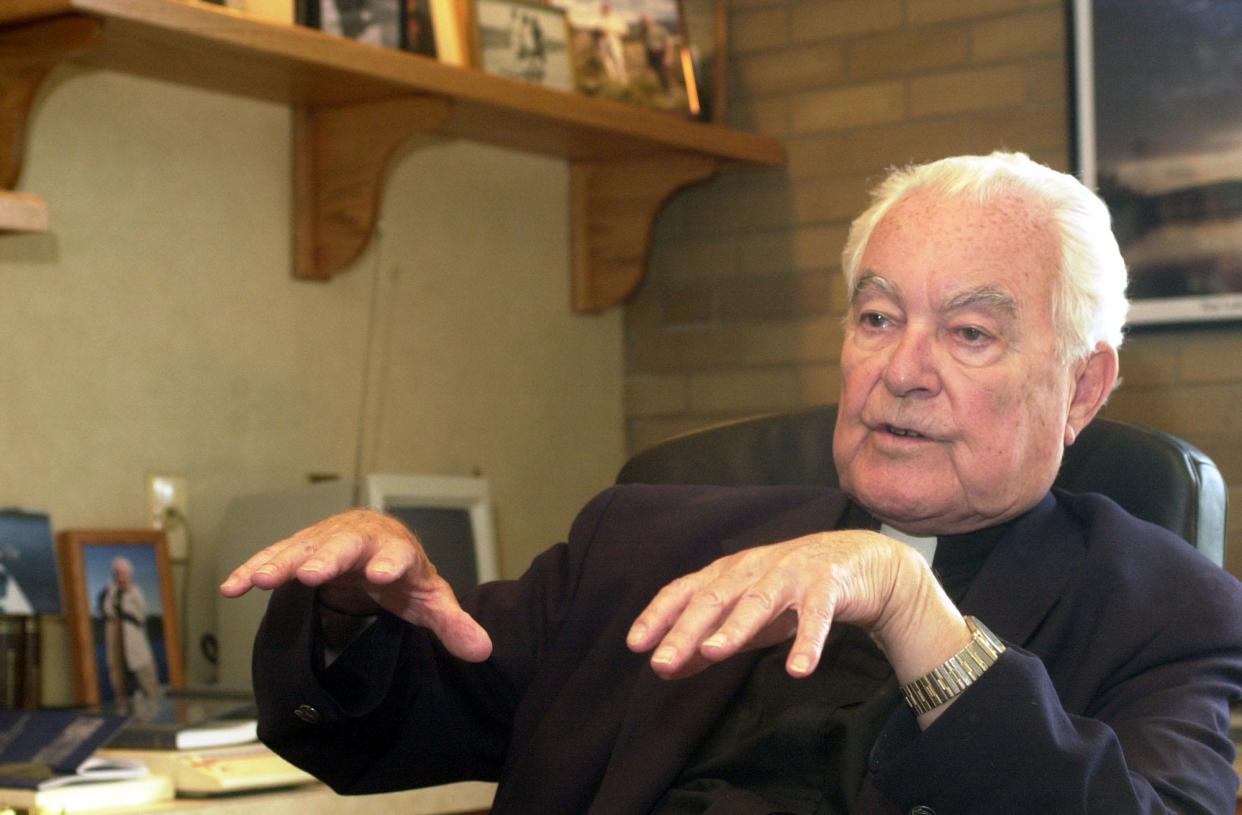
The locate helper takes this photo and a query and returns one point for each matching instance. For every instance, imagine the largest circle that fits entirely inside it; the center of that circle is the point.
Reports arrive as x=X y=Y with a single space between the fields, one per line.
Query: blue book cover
x=38 y=748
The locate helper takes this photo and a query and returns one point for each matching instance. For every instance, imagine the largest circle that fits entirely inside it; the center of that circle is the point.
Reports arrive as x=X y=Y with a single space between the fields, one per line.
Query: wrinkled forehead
x=1001 y=252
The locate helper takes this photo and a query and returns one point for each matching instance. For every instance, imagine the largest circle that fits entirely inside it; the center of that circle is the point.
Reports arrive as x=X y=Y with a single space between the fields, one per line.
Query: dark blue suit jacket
x=1126 y=650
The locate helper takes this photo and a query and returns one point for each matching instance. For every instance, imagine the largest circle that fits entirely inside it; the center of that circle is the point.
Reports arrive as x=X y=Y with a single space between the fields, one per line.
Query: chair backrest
x=1153 y=475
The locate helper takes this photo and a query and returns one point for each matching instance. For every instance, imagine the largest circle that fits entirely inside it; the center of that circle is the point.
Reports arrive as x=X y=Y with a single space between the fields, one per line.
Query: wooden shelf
x=624 y=161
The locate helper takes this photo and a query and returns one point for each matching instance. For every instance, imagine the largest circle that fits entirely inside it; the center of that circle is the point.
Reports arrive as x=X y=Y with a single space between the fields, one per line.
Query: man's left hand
x=762 y=596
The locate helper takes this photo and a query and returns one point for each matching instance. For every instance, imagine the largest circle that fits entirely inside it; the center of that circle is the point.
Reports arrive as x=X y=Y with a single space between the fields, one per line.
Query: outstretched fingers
x=265 y=569
x=760 y=617
x=432 y=604
x=759 y=598
x=815 y=615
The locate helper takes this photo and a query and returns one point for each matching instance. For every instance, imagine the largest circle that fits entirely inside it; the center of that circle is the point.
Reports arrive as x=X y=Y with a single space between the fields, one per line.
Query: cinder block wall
x=740 y=312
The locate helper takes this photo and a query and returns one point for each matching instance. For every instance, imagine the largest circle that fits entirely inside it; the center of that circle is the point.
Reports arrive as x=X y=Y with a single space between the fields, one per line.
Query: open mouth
x=902 y=432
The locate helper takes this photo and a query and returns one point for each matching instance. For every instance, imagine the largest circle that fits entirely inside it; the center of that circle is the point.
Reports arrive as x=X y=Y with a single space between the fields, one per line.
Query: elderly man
x=790 y=649
x=123 y=608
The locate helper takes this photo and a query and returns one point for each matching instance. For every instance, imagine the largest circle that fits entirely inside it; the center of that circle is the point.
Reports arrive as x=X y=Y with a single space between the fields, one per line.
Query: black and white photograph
x=524 y=41
x=377 y=22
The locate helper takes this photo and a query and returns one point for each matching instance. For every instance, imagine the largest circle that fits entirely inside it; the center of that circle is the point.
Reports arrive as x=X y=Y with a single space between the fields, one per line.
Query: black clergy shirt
x=801 y=746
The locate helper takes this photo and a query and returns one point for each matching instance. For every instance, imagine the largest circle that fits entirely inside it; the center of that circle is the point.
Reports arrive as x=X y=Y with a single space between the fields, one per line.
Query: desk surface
x=316 y=799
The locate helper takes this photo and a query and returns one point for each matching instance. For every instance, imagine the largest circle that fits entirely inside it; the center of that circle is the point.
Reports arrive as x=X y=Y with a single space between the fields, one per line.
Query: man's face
x=953 y=402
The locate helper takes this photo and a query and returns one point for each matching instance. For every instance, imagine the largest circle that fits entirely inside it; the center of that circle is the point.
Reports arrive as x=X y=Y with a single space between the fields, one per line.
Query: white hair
x=1089 y=292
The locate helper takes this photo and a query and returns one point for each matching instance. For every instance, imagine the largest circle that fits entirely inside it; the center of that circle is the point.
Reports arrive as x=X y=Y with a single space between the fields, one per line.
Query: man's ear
x=1096 y=375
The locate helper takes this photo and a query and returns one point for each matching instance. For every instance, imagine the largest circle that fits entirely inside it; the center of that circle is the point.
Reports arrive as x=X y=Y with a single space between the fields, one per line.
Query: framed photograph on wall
x=121 y=616
x=378 y=22
x=1157 y=118
x=524 y=41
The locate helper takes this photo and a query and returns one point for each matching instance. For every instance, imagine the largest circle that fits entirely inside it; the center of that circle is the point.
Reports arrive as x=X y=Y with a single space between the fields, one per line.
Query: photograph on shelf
x=273 y=11
x=634 y=51
x=420 y=34
x=524 y=41
x=377 y=22
x=707 y=30
x=28 y=578
x=121 y=616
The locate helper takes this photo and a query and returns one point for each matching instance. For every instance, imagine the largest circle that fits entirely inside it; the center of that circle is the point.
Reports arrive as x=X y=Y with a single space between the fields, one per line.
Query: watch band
x=957 y=673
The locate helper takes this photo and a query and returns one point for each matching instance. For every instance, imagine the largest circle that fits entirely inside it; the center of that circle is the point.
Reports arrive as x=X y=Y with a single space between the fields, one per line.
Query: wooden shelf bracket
x=341 y=155
x=613 y=206
x=27 y=54
x=354 y=108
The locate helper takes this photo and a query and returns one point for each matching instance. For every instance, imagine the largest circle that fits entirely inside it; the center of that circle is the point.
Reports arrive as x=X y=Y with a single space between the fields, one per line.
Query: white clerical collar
x=924 y=546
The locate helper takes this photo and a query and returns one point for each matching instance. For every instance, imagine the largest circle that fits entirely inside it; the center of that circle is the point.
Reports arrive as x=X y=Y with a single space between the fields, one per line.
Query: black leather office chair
x=1154 y=475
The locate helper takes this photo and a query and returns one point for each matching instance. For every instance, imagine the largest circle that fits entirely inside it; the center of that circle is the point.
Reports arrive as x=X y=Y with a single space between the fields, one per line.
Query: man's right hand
x=362 y=561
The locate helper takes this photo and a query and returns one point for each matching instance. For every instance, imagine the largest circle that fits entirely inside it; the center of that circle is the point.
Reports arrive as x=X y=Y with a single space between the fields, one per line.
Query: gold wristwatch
x=957 y=673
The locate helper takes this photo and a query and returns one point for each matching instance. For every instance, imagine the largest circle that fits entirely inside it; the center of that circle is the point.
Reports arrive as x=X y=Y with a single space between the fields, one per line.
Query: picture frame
x=640 y=58
x=707 y=32
x=523 y=40
x=376 y=22
x=1156 y=109
x=420 y=33
x=29 y=581
x=130 y=636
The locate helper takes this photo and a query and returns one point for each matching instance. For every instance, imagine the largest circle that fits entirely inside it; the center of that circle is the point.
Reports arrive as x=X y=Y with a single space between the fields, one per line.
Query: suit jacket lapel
x=1026 y=573
x=667 y=720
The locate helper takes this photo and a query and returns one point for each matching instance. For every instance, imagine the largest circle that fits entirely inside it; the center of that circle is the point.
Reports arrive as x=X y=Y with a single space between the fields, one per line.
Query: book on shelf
x=48 y=749
x=91 y=797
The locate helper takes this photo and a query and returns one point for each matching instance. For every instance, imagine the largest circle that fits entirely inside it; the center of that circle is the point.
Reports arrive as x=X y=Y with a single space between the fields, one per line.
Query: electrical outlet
x=167 y=506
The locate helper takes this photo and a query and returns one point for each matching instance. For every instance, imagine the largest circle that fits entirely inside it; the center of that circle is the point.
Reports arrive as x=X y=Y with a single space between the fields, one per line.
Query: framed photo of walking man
x=121 y=615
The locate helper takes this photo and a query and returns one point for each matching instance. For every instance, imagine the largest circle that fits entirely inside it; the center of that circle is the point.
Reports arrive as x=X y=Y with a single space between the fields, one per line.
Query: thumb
x=435 y=608
x=464 y=637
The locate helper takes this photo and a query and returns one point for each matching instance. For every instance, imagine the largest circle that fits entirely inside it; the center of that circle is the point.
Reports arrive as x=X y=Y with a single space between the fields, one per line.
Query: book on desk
x=217 y=770
x=195 y=744
x=49 y=762
x=207 y=742
x=186 y=721
x=91 y=796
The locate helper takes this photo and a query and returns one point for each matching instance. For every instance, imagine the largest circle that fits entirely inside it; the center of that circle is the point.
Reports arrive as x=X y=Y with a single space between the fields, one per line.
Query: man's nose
x=912 y=367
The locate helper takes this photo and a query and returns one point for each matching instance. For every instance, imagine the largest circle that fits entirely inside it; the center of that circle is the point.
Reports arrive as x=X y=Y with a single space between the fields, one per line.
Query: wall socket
x=167 y=507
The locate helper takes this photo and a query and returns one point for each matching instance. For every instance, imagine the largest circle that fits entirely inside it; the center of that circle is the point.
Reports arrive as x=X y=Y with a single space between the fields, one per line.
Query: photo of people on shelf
x=630 y=50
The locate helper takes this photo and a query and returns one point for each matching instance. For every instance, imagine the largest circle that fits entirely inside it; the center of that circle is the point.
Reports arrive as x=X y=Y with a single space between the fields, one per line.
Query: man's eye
x=873 y=319
x=973 y=335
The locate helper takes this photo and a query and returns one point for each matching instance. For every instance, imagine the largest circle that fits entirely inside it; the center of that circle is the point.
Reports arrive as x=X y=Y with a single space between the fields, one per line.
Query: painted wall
x=156 y=328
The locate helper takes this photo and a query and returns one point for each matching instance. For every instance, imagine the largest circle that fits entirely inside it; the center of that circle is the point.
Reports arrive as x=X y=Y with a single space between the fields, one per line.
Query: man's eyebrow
x=985 y=297
x=873 y=281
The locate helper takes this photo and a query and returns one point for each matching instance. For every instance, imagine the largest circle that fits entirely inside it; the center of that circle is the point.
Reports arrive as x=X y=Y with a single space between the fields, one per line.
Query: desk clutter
x=77 y=760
